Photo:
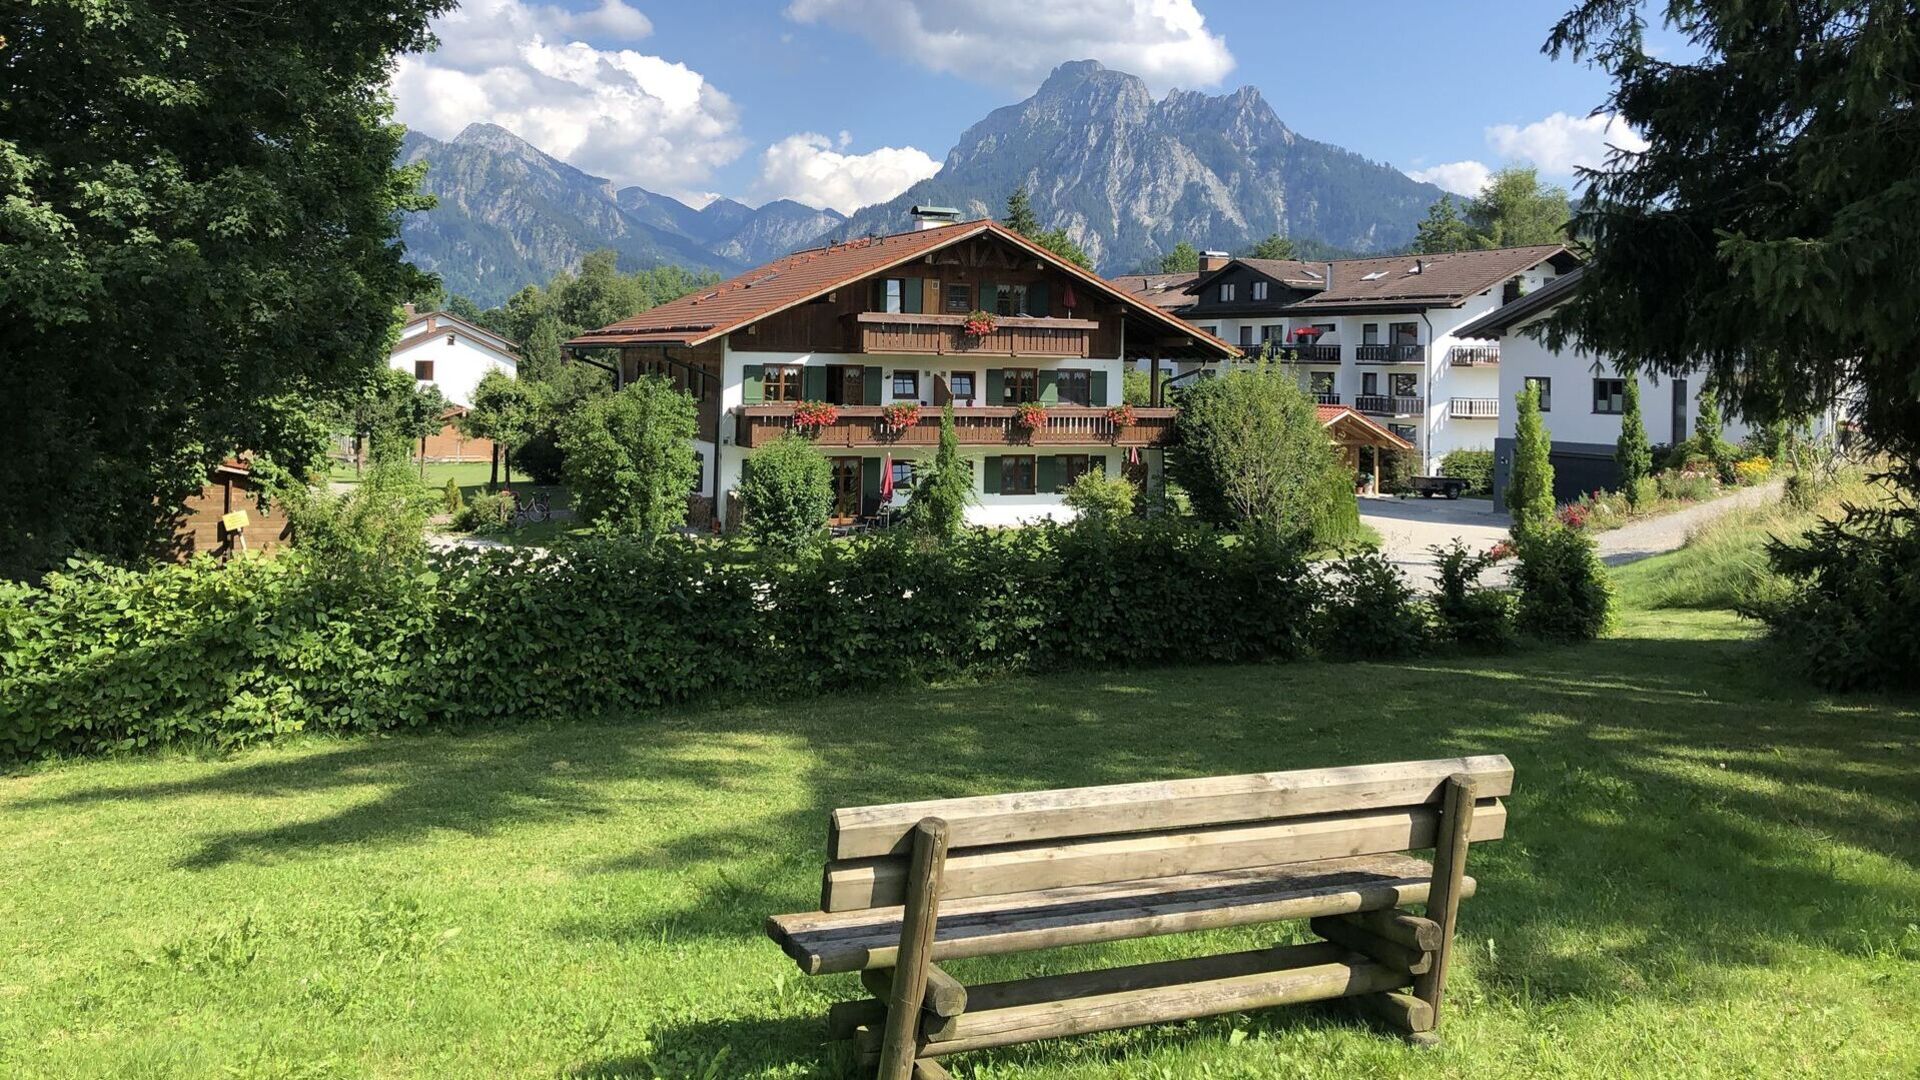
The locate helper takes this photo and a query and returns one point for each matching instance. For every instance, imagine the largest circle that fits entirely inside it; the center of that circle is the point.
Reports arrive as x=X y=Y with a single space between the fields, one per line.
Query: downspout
x=1426 y=439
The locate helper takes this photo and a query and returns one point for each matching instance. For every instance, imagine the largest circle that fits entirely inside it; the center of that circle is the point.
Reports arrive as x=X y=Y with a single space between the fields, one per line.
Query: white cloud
x=1015 y=43
x=1560 y=144
x=562 y=81
x=1459 y=177
x=807 y=168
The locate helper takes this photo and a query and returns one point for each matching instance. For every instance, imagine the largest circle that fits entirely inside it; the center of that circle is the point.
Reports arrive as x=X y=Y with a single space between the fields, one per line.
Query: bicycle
x=534 y=508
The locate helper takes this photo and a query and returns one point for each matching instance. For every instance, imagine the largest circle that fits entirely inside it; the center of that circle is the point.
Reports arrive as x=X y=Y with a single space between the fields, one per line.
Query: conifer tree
x=1020 y=213
x=1631 y=452
x=1530 y=491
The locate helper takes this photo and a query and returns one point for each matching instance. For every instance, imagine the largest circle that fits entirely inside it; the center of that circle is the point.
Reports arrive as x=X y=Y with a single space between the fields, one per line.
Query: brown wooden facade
x=198 y=527
x=866 y=426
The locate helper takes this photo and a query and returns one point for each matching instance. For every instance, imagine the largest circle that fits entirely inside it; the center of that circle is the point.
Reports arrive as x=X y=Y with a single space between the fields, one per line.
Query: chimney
x=933 y=217
x=407 y=310
x=1213 y=260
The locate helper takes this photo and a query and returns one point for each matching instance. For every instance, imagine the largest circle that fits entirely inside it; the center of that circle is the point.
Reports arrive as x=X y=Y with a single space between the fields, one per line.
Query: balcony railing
x=865 y=425
x=1307 y=354
x=1389 y=405
x=1474 y=355
x=1404 y=353
x=1474 y=408
x=939 y=335
x=1326 y=398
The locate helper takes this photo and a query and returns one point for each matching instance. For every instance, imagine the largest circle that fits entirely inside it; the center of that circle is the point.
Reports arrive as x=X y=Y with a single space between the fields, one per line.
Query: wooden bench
x=912 y=884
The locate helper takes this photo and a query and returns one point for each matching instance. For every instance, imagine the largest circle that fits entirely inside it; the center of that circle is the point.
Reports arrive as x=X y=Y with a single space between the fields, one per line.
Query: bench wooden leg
x=1443 y=896
x=900 y=1046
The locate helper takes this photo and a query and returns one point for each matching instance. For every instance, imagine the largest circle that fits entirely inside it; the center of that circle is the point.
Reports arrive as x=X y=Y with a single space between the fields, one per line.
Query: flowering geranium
x=1031 y=416
x=979 y=324
x=1121 y=415
x=814 y=415
x=1573 y=516
x=900 y=415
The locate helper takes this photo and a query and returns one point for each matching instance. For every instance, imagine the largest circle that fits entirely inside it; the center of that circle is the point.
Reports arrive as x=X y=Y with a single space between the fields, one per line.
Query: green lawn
x=1709 y=872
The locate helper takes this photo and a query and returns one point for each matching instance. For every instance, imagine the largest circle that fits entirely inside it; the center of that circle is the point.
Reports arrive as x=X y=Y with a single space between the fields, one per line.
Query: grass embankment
x=1710 y=871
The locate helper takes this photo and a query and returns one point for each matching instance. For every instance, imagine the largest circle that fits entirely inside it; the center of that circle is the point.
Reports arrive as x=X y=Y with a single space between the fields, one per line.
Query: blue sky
x=843 y=102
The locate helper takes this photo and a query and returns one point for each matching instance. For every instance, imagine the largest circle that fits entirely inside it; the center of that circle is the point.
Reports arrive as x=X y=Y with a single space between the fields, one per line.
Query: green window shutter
x=870 y=479
x=871 y=391
x=996 y=387
x=988 y=298
x=1037 y=299
x=753 y=383
x=990 y=477
x=1049 y=388
x=1049 y=480
x=1097 y=388
x=877 y=295
x=814 y=378
x=910 y=296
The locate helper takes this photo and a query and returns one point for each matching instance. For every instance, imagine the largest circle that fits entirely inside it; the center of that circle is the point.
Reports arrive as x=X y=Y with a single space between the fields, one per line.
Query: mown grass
x=1724 y=562
x=1710 y=871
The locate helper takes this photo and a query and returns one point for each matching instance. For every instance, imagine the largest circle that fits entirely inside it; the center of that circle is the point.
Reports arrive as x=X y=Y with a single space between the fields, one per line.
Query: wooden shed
x=226 y=516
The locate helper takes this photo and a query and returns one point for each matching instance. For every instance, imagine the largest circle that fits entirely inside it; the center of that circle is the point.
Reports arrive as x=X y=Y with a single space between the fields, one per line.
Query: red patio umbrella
x=886 y=478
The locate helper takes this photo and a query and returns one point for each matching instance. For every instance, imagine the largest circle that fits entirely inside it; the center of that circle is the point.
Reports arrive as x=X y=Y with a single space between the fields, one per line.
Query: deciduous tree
x=630 y=460
x=1183 y=259
x=1253 y=457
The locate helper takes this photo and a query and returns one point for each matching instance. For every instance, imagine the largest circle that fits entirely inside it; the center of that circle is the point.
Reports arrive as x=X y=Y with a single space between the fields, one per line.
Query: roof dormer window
x=1259 y=290
x=1226 y=292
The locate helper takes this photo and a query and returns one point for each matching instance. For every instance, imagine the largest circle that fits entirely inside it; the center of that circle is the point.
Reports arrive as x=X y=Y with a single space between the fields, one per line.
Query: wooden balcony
x=1474 y=355
x=1474 y=408
x=864 y=426
x=1387 y=405
x=1403 y=353
x=942 y=335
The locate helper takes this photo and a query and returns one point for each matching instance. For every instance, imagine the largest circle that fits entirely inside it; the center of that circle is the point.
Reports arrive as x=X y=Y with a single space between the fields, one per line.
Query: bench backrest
x=1124 y=832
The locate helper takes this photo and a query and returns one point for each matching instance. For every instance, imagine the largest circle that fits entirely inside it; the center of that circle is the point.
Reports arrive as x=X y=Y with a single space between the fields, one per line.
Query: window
x=1226 y=292
x=1210 y=331
x=1246 y=335
x=906 y=384
x=893 y=295
x=1016 y=475
x=1074 y=466
x=1609 y=395
x=1010 y=299
x=1403 y=385
x=1404 y=333
x=423 y=370
x=1019 y=386
x=1370 y=333
x=1259 y=291
x=1370 y=382
x=960 y=386
x=1076 y=386
x=1269 y=332
x=1405 y=431
x=959 y=299
x=1545 y=386
x=1325 y=328
x=902 y=477
x=449 y=339
x=1320 y=382
x=781 y=382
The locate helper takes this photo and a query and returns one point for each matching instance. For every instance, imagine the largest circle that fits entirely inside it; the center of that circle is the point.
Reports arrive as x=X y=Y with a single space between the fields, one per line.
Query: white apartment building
x=860 y=346
x=1381 y=335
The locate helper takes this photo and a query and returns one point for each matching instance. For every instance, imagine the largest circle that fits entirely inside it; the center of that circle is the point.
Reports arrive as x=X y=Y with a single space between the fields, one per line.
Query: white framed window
x=1226 y=292
x=1259 y=290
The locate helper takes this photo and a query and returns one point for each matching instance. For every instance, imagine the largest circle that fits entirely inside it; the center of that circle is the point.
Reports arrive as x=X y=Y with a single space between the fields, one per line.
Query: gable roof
x=1166 y=291
x=1359 y=427
x=1507 y=316
x=438 y=320
x=1445 y=280
x=1295 y=273
x=804 y=275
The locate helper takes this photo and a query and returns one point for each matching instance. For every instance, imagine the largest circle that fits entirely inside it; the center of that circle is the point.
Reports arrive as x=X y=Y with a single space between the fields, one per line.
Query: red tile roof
x=1383 y=437
x=804 y=275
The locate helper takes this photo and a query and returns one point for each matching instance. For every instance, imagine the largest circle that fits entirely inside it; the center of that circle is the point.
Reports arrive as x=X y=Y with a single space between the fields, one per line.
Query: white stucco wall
x=1571 y=419
x=459 y=362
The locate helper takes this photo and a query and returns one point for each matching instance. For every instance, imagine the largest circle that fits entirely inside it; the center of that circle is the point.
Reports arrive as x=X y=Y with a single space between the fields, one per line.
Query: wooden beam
x=900 y=1046
x=1378 y=949
x=1402 y=1013
x=945 y=996
x=1398 y=926
x=863 y=883
x=1443 y=898
x=1035 y=991
x=844 y=1018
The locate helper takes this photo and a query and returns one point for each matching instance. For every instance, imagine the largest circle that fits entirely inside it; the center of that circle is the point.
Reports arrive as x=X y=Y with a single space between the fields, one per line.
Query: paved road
x=1409 y=527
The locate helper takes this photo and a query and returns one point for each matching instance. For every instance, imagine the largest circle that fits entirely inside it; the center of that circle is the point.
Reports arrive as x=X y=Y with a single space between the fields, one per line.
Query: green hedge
x=101 y=659
x=1473 y=466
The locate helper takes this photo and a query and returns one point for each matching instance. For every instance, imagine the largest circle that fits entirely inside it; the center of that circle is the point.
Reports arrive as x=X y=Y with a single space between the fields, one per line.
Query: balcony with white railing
x=1474 y=355
x=1326 y=397
x=1474 y=408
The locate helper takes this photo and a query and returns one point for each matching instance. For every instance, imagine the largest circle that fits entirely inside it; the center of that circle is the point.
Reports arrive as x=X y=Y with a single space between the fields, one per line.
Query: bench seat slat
x=868 y=831
x=1017 y=868
x=824 y=943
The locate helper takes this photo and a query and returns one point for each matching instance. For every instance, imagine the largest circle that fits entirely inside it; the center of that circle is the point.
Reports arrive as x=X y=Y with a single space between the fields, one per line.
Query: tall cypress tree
x=1530 y=491
x=1631 y=452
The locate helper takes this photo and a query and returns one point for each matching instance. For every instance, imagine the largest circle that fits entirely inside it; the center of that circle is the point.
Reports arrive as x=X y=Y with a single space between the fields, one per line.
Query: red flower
x=814 y=415
x=1031 y=416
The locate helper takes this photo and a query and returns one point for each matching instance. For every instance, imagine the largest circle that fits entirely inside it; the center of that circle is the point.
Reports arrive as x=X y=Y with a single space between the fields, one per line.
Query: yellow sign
x=235 y=521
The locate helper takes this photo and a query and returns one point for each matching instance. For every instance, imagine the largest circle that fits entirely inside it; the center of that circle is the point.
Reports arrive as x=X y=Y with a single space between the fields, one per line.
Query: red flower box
x=811 y=416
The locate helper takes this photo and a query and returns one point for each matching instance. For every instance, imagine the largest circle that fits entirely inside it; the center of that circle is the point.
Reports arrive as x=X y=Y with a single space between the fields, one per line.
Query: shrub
x=1754 y=470
x=1371 y=612
x=1254 y=458
x=1396 y=472
x=1646 y=492
x=630 y=458
x=786 y=490
x=379 y=522
x=1845 y=611
x=486 y=513
x=943 y=490
x=1686 y=486
x=451 y=500
x=1099 y=497
x=1530 y=489
x=1467 y=613
x=1563 y=591
x=1473 y=466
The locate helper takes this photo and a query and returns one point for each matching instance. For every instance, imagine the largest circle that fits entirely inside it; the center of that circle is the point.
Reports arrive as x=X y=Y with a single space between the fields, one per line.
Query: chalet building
x=878 y=329
x=1581 y=397
x=1380 y=335
x=454 y=355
